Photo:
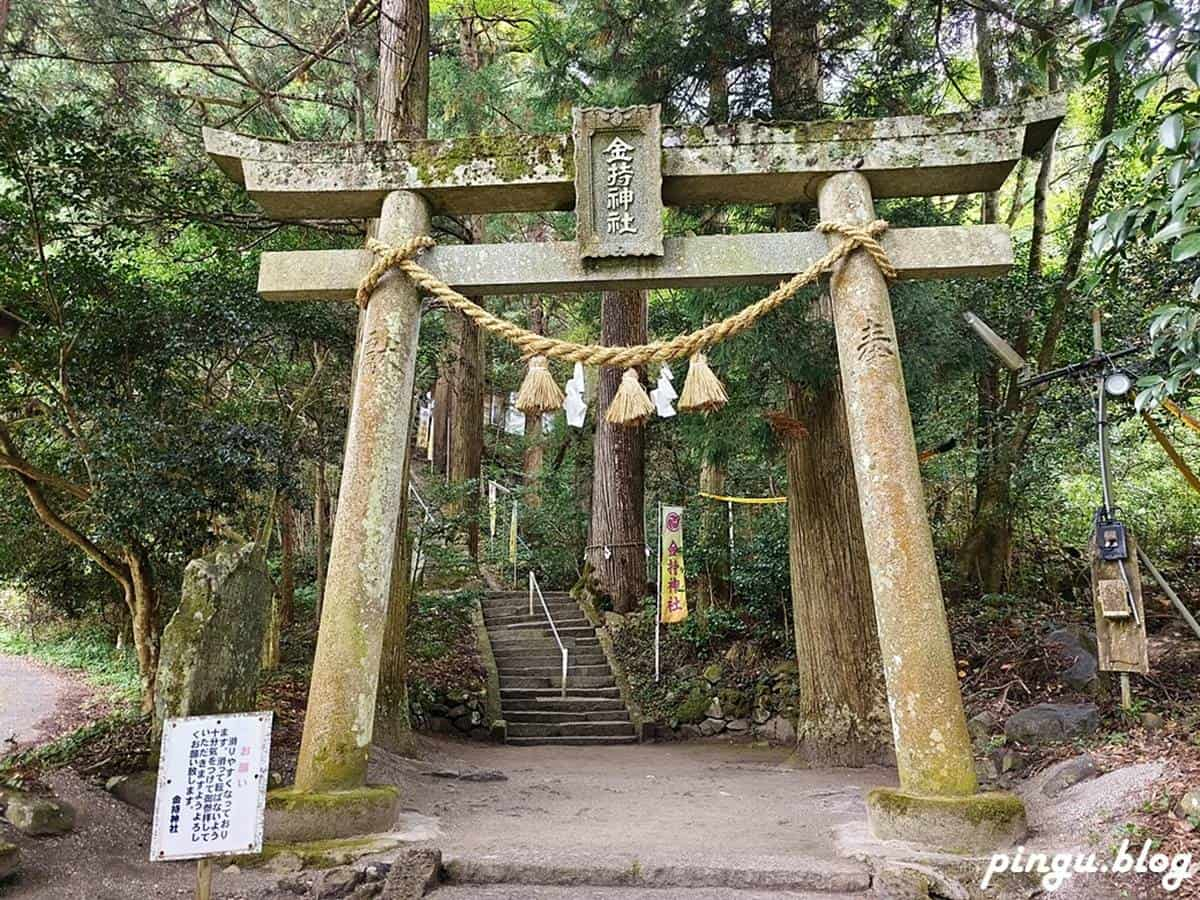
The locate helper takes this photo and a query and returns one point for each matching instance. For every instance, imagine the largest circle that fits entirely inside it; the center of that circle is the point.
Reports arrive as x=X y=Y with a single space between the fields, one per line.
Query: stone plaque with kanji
x=618 y=181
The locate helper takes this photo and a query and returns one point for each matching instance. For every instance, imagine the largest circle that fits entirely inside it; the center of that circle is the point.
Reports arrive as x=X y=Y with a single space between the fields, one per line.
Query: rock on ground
x=10 y=860
x=337 y=883
x=1075 y=649
x=981 y=726
x=138 y=789
x=212 y=647
x=1069 y=773
x=39 y=816
x=413 y=873
x=1052 y=722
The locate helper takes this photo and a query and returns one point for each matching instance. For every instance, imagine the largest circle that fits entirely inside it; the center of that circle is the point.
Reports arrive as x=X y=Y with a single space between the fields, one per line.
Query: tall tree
x=843 y=712
x=402 y=113
x=985 y=552
x=465 y=350
x=617 y=537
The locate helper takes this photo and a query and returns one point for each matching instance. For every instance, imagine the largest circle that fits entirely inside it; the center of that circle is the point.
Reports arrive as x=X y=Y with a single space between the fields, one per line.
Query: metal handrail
x=417 y=564
x=534 y=586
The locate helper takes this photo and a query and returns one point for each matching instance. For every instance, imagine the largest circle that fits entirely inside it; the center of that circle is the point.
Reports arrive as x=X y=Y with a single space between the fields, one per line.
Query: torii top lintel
x=746 y=162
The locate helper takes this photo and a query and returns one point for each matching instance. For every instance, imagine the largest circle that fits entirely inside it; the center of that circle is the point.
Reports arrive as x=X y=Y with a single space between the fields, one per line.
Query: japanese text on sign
x=212 y=783
x=673 y=592
x=619 y=199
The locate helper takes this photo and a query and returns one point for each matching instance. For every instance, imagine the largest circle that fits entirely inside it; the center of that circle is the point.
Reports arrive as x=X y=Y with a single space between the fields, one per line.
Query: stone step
x=521 y=608
x=549 y=658
x=554 y=717
x=509 y=891
x=574 y=741
x=569 y=729
x=815 y=877
x=572 y=706
x=522 y=605
x=564 y=626
x=537 y=681
x=503 y=624
x=563 y=617
x=543 y=628
x=512 y=647
x=547 y=671
x=517 y=597
x=520 y=640
x=573 y=693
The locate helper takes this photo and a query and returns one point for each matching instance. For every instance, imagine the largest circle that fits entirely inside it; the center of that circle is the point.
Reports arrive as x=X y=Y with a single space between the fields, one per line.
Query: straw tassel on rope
x=539 y=394
x=631 y=406
x=702 y=390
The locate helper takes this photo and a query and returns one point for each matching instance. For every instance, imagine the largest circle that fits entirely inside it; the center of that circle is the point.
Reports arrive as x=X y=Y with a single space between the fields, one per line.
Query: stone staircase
x=530 y=667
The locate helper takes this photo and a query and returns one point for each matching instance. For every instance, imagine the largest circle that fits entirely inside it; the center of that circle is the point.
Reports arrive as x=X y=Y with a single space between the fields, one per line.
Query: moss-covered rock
x=212 y=647
x=712 y=674
x=693 y=708
x=734 y=703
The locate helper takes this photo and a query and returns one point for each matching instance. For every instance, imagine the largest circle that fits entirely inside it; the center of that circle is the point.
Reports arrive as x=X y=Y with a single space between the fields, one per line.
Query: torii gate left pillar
x=332 y=767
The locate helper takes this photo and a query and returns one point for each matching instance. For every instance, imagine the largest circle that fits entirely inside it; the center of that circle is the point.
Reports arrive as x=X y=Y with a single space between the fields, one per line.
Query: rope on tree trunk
x=403 y=257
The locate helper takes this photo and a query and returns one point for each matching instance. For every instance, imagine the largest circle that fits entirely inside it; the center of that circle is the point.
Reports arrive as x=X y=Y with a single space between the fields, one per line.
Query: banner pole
x=658 y=597
x=730 y=551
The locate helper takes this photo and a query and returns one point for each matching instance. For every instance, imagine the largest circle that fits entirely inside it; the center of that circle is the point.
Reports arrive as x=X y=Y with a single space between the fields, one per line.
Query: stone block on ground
x=1188 y=807
x=780 y=730
x=298 y=816
x=975 y=823
x=39 y=816
x=1052 y=722
x=138 y=790
x=1074 y=648
x=710 y=727
x=413 y=874
x=1000 y=764
x=982 y=726
x=334 y=884
x=1069 y=773
x=1152 y=721
x=212 y=647
x=479 y=775
x=10 y=860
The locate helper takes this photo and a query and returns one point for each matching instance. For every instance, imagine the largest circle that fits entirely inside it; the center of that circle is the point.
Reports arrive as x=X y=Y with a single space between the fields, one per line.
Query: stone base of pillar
x=293 y=815
x=975 y=823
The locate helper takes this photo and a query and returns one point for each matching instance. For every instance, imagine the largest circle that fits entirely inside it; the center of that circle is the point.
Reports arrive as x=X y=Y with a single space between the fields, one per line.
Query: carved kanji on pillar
x=618 y=182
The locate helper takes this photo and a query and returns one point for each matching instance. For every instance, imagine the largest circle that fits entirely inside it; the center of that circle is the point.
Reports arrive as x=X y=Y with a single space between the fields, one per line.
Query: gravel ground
x=37 y=701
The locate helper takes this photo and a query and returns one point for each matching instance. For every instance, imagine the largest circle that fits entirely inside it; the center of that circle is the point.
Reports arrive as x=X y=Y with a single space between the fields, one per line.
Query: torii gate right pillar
x=937 y=801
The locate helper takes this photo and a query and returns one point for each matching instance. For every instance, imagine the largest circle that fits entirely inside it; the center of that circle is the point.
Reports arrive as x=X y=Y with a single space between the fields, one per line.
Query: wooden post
x=341 y=701
x=204 y=879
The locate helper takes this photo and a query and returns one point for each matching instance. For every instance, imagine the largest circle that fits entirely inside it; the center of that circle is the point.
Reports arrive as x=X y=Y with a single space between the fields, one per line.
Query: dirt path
x=37 y=701
x=687 y=820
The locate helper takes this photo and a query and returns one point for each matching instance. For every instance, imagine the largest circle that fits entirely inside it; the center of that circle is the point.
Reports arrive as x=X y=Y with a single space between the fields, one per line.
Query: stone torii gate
x=617 y=169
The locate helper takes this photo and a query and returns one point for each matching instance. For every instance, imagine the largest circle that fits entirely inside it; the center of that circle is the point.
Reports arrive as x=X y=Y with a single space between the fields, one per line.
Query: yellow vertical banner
x=512 y=535
x=672 y=595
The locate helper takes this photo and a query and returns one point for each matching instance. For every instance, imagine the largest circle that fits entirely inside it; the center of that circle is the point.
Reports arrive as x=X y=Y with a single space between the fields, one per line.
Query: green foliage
x=443 y=658
x=146 y=374
x=63 y=750
x=1159 y=44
